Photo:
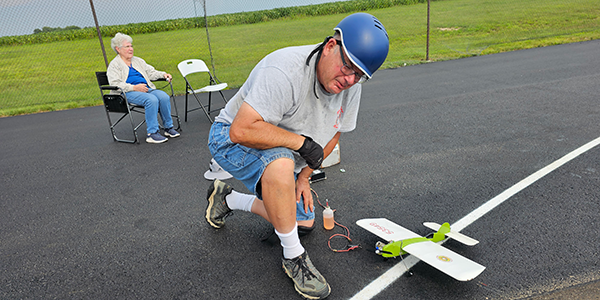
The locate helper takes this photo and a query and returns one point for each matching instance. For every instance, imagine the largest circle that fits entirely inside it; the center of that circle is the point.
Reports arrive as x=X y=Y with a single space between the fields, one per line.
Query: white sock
x=240 y=201
x=290 y=243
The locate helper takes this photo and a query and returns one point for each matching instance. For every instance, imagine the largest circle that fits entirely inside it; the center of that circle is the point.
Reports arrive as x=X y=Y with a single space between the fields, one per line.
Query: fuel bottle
x=328 y=222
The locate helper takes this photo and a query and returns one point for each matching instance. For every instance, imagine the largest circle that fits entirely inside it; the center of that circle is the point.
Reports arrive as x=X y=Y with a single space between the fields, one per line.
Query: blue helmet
x=365 y=41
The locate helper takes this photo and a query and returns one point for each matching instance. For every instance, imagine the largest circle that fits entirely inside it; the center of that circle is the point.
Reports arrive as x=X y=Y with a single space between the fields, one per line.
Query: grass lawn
x=60 y=75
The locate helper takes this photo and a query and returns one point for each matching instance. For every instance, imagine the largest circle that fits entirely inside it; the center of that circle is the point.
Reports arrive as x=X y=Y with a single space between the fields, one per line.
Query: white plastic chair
x=192 y=66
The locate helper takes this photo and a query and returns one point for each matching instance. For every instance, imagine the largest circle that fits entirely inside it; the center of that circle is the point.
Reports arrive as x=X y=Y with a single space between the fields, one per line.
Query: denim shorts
x=247 y=164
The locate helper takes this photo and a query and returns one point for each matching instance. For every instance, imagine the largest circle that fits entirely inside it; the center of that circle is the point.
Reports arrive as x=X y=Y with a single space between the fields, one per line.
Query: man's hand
x=311 y=152
x=303 y=190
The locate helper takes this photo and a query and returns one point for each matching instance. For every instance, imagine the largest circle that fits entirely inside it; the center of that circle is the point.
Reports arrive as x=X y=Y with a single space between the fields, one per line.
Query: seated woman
x=133 y=75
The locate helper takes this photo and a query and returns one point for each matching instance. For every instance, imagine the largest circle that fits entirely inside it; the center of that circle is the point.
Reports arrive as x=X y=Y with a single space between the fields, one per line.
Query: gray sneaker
x=217 y=209
x=307 y=279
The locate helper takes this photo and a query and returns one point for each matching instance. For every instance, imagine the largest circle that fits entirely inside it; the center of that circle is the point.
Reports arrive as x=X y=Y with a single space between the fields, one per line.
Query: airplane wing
x=386 y=229
x=445 y=260
x=453 y=234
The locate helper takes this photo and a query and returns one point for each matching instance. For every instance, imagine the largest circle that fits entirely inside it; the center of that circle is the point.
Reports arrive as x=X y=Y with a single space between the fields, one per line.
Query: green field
x=60 y=75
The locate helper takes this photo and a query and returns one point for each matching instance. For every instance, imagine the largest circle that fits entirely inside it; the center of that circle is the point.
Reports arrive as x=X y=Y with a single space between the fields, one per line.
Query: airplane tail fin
x=441 y=233
x=444 y=231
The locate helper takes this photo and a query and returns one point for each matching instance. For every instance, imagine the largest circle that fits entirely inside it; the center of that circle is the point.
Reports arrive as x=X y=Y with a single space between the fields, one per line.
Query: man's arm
x=249 y=129
x=331 y=144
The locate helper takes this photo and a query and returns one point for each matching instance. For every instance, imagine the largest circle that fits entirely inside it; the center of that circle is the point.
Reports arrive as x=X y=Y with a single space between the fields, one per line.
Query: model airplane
x=402 y=241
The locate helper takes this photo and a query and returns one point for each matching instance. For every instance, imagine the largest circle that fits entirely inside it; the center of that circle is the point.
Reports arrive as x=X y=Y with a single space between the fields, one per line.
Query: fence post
x=212 y=60
x=99 y=34
x=427 y=55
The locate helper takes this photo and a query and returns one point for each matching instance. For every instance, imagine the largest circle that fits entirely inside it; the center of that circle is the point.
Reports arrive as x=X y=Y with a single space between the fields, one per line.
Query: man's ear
x=329 y=46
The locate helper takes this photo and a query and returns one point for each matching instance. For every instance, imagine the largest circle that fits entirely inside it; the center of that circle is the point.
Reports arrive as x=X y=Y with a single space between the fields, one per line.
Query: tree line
x=53 y=29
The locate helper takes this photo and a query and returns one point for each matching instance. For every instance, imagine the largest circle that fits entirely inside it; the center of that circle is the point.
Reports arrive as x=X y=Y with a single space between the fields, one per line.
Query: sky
x=19 y=17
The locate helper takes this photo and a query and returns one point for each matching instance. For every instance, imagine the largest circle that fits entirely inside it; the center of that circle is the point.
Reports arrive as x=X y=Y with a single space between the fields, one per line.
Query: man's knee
x=279 y=171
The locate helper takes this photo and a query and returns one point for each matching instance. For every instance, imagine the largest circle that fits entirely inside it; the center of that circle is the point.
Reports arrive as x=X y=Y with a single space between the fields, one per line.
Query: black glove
x=311 y=152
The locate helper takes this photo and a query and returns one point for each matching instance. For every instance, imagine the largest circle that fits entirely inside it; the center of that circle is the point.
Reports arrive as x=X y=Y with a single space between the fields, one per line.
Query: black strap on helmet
x=318 y=49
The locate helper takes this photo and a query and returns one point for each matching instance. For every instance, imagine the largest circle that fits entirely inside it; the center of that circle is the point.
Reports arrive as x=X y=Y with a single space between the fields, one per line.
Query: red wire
x=349 y=247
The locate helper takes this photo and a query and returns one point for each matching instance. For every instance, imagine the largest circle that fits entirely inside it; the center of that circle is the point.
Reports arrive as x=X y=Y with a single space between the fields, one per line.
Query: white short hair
x=118 y=40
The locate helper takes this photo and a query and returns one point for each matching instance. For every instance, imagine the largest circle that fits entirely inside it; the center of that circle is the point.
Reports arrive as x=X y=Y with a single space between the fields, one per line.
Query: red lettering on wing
x=381 y=228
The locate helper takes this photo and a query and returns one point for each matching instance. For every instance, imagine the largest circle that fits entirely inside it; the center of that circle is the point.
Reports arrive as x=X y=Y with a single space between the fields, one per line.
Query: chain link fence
x=38 y=75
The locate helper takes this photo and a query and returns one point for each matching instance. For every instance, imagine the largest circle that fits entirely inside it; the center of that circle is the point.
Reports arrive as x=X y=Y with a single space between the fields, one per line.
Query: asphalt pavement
x=83 y=217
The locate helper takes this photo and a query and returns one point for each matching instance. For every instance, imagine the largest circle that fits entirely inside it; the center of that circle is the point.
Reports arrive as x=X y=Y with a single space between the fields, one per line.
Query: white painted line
x=400 y=268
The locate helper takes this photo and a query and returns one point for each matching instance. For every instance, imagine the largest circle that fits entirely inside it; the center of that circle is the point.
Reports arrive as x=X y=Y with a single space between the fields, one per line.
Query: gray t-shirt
x=285 y=92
